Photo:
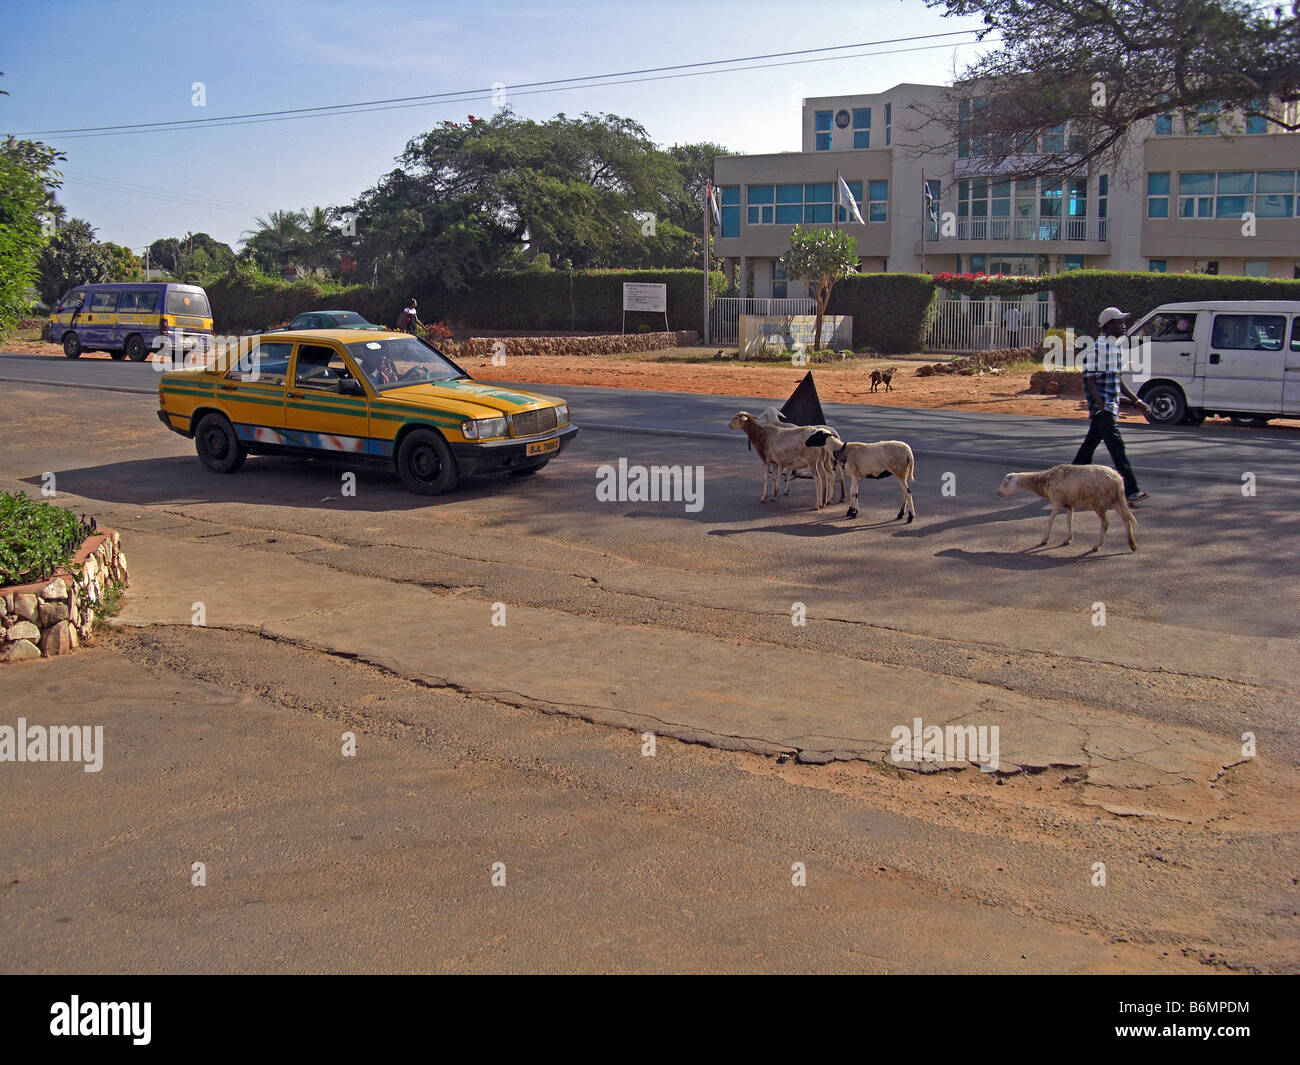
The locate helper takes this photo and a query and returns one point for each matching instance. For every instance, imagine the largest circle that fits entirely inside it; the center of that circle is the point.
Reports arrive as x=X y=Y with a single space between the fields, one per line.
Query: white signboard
x=638 y=296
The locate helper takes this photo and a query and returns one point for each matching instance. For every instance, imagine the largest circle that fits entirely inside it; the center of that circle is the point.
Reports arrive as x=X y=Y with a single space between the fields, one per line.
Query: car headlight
x=483 y=428
x=561 y=413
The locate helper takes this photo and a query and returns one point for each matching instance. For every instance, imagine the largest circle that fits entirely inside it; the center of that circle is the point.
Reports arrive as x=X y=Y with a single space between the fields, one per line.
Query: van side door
x=1244 y=364
x=1172 y=336
x=100 y=318
x=1291 y=379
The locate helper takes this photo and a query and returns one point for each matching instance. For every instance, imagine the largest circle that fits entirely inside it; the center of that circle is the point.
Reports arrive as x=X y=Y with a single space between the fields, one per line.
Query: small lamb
x=856 y=460
x=1066 y=487
x=883 y=377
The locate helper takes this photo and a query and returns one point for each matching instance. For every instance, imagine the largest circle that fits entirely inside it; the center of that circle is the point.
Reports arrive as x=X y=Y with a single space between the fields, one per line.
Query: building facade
x=1188 y=197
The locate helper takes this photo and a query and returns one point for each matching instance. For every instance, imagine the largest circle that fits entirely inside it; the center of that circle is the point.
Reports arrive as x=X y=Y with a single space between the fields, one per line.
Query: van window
x=138 y=302
x=1173 y=326
x=1248 y=332
x=179 y=301
x=1295 y=333
x=104 y=302
x=72 y=301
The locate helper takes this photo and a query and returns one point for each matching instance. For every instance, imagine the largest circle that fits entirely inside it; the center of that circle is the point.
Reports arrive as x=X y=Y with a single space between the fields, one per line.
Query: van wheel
x=1194 y=417
x=1168 y=404
x=425 y=463
x=135 y=350
x=217 y=445
x=72 y=345
x=1248 y=421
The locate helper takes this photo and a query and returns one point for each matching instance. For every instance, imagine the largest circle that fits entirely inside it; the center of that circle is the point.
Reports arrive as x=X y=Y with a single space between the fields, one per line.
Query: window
x=1207 y=120
x=862 y=127
x=1254 y=268
x=855 y=190
x=813 y=203
x=1170 y=328
x=1158 y=195
x=72 y=301
x=266 y=363
x=1212 y=267
x=823 y=142
x=877 y=201
x=970 y=113
x=1158 y=266
x=889 y=120
x=1295 y=333
x=181 y=302
x=103 y=303
x=1074 y=262
x=822 y=124
x=1054 y=140
x=1248 y=332
x=1256 y=123
x=1164 y=125
x=729 y=203
x=760 y=199
x=1233 y=193
x=780 y=280
x=319 y=367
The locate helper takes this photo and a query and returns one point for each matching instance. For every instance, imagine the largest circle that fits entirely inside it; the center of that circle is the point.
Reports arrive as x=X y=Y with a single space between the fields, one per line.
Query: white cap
x=1111 y=314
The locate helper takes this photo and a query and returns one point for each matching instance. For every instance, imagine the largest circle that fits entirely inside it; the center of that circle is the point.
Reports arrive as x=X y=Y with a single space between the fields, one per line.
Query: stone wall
x=472 y=347
x=53 y=616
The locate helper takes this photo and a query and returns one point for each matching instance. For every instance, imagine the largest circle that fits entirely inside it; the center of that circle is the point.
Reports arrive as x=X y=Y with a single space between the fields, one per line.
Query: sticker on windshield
x=374 y=346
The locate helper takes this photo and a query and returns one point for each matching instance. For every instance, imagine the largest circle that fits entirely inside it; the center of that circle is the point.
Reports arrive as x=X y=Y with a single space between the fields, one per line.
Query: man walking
x=1011 y=320
x=1104 y=384
x=409 y=320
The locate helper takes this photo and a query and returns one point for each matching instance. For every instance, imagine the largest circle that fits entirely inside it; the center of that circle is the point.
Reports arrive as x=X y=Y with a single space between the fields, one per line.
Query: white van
x=1239 y=360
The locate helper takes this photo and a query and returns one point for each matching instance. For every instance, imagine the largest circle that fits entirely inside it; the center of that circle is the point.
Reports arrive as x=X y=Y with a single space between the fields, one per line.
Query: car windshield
x=347 y=319
x=400 y=361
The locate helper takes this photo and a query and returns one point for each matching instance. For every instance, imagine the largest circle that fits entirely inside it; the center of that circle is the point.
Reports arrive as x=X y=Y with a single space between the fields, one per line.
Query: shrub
x=1081 y=295
x=891 y=312
x=36 y=538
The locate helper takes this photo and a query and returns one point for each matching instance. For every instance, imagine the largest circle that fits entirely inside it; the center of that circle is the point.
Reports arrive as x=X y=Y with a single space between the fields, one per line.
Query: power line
x=524 y=89
x=150 y=192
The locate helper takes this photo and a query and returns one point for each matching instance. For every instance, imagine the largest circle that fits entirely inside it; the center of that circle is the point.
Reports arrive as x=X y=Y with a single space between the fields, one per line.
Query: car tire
x=425 y=463
x=71 y=345
x=1249 y=421
x=524 y=471
x=1168 y=404
x=134 y=349
x=217 y=445
x=1194 y=417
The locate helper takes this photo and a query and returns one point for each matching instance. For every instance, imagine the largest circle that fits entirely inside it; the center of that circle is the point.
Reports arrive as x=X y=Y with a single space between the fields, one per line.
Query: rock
x=56 y=589
x=25 y=606
x=52 y=613
x=18 y=652
x=1052 y=388
x=8 y=602
x=73 y=638
x=813 y=758
x=24 y=630
x=57 y=640
x=91 y=567
x=87 y=620
x=121 y=565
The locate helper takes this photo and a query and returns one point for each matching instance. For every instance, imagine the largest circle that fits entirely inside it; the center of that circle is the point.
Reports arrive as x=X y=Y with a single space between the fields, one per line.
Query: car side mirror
x=350 y=386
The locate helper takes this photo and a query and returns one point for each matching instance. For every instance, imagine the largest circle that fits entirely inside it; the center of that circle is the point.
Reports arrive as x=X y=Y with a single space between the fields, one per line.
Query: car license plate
x=541 y=447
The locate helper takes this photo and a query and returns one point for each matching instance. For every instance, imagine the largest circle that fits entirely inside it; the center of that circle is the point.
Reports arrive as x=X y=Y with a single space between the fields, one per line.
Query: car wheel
x=72 y=345
x=425 y=463
x=217 y=445
x=1168 y=404
x=1194 y=417
x=135 y=349
x=1248 y=421
x=524 y=471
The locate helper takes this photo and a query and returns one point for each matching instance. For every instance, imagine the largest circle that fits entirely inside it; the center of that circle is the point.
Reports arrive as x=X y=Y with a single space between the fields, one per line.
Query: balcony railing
x=1048 y=227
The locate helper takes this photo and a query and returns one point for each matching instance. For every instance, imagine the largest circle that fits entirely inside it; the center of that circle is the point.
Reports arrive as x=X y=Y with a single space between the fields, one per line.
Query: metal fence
x=965 y=325
x=724 y=319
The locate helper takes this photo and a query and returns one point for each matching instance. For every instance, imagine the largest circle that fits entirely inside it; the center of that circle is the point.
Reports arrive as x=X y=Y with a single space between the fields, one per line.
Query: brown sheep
x=1066 y=487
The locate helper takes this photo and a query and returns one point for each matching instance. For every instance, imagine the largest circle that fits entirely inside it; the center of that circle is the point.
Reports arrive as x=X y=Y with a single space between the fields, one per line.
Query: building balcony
x=1083 y=236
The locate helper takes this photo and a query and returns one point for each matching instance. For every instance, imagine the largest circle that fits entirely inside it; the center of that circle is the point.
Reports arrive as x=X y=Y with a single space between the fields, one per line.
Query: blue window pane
x=1276 y=181
x=820 y=193
x=823 y=142
x=789 y=194
x=1001 y=208
x=862 y=118
x=1190 y=184
x=876 y=212
x=1074 y=262
x=855 y=187
x=1103 y=185
x=1273 y=206
x=817 y=212
x=1158 y=207
x=731 y=221
x=729 y=194
x=753 y=216
x=862 y=138
x=889 y=113
x=1158 y=184
x=1256 y=124
x=1164 y=125
x=888 y=130
x=879 y=190
x=1157 y=266
x=767 y=215
x=823 y=121
x=789 y=215
x=1236 y=182
x=1233 y=206
x=761 y=193
x=977 y=264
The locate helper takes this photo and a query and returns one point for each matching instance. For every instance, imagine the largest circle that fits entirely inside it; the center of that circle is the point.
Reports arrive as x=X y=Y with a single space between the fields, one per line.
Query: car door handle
x=1184 y=354
x=296 y=395
x=1214 y=359
x=227 y=388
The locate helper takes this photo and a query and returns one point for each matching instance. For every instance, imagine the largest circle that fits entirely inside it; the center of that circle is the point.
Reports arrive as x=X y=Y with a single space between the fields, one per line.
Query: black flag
x=804 y=407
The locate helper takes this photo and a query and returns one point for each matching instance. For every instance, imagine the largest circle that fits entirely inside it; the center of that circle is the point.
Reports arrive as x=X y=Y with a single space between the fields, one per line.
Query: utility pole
x=708 y=204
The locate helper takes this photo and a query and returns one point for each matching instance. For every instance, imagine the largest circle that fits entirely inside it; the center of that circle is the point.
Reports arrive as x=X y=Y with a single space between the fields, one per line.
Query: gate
x=968 y=325
x=724 y=318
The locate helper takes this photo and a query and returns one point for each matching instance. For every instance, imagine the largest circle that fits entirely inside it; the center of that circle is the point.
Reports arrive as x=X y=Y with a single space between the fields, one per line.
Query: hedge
x=891 y=312
x=544 y=301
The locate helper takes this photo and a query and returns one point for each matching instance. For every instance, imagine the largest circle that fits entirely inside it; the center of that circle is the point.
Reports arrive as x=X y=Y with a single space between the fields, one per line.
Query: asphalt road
x=523 y=743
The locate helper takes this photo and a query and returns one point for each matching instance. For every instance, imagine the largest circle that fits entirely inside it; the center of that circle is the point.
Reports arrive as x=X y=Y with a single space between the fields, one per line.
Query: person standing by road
x=1012 y=322
x=409 y=320
x=1104 y=384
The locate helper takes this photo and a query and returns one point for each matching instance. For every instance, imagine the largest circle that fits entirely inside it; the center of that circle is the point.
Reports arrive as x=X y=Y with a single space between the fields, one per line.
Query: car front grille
x=532 y=422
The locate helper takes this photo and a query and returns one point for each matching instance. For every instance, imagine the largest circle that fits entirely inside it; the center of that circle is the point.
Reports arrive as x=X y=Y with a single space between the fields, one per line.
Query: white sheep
x=772 y=416
x=880 y=459
x=783 y=449
x=1066 y=487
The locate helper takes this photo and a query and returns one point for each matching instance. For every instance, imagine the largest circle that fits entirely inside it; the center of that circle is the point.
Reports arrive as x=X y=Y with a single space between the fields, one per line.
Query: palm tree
x=278 y=238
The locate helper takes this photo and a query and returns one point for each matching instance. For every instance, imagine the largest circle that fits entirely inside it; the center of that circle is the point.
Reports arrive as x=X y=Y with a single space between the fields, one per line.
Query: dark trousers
x=1103 y=427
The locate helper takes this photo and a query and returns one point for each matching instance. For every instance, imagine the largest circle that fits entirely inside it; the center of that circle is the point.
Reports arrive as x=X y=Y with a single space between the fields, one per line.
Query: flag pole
x=708 y=196
x=835 y=215
x=925 y=215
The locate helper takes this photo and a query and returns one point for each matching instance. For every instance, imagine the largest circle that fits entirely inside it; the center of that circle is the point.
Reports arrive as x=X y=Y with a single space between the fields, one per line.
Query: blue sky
x=91 y=64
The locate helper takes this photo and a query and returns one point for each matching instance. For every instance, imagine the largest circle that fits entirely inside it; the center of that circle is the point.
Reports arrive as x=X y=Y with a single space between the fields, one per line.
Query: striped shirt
x=1103 y=366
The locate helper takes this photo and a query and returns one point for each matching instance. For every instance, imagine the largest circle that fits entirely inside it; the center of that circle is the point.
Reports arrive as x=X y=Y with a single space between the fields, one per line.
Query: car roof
x=1282 y=306
x=346 y=336
x=336 y=311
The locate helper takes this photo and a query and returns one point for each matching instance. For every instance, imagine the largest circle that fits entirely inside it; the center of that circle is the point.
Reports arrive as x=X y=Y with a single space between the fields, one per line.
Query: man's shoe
x=1137 y=497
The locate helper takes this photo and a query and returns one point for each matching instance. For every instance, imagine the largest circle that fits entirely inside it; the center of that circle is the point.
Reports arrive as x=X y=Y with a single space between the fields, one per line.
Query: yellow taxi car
x=375 y=397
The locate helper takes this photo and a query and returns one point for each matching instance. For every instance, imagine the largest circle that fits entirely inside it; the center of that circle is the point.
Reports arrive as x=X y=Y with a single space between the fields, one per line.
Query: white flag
x=713 y=206
x=847 y=201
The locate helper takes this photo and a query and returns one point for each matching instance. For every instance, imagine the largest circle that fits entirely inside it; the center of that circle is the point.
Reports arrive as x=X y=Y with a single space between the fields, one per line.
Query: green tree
x=123 y=264
x=72 y=257
x=195 y=255
x=824 y=256
x=27 y=183
x=278 y=239
x=1099 y=68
